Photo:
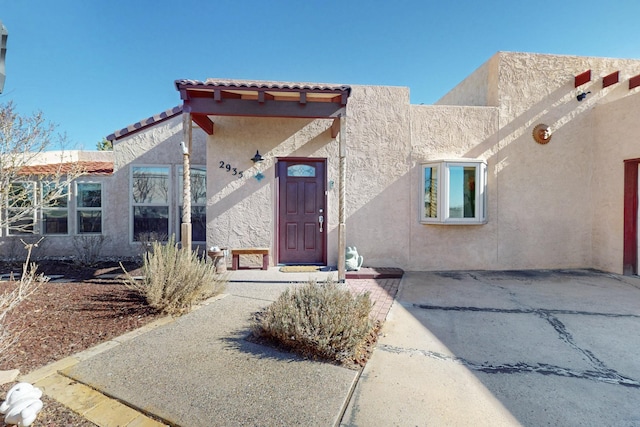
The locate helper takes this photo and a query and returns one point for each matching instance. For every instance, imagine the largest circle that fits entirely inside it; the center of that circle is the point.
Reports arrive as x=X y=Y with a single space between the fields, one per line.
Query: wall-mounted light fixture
x=582 y=95
x=257 y=158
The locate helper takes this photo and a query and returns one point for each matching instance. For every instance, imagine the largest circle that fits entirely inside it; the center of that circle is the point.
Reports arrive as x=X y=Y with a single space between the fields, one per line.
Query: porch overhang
x=203 y=99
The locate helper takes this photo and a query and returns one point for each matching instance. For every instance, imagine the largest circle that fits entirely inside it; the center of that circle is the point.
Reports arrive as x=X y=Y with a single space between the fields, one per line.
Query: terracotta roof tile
x=263 y=85
x=87 y=167
x=135 y=127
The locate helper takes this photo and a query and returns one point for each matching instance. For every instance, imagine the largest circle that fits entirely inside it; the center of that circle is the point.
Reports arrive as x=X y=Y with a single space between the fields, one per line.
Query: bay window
x=453 y=192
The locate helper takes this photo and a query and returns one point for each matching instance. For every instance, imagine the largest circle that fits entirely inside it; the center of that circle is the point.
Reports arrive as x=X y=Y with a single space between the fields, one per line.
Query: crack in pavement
x=521 y=310
x=607 y=376
x=600 y=373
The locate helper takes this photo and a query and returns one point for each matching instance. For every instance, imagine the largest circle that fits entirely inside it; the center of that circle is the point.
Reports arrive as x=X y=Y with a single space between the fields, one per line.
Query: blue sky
x=95 y=66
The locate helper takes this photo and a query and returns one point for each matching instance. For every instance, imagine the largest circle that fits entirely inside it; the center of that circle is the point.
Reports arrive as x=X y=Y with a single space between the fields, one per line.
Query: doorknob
x=321 y=221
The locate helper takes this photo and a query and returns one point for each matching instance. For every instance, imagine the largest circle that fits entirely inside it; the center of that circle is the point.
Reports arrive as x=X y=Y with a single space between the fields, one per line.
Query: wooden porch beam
x=634 y=82
x=342 y=194
x=268 y=108
x=335 y=128
x=582 y=78
x=204 y=122
x=611 y=79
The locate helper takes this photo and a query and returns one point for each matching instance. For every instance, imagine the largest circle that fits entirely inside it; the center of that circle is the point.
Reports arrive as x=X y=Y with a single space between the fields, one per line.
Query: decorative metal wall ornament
x=542 y=133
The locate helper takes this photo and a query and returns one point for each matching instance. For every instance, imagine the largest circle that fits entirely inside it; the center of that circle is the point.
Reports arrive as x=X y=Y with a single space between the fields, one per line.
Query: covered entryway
x=297 y=240
x=301 y=211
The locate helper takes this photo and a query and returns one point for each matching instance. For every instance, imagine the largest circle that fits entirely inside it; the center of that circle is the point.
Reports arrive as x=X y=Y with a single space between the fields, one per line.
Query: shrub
x=174 y=279
x=319 y=320
x=88 y=248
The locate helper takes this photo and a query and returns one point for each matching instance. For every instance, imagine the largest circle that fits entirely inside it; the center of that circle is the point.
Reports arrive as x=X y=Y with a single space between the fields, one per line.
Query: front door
x=301 y=211
x=631 y=236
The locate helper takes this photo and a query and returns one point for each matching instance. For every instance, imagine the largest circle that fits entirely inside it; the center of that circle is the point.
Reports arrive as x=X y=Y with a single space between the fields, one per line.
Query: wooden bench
x=235 y=257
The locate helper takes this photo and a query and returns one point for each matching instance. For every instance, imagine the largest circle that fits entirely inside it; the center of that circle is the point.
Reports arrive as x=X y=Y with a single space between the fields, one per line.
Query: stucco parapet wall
x=519 y=80
x=445 y=131
x=65 y=156
x=480 y=88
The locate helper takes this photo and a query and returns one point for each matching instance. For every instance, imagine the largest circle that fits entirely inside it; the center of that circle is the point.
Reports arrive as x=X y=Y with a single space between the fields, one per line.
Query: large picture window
x=150 y=196
x=89 y=207
x=453 y=192
x=198 y=203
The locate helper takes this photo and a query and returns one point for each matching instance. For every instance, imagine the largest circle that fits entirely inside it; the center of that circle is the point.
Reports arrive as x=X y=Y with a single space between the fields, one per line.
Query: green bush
x=319 y=320
x=174 y=279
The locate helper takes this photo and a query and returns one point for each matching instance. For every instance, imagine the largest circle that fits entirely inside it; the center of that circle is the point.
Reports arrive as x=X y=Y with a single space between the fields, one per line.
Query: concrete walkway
x=199 y=370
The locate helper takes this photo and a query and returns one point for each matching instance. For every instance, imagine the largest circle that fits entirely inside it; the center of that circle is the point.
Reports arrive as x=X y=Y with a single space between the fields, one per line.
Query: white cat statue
x=353 y=260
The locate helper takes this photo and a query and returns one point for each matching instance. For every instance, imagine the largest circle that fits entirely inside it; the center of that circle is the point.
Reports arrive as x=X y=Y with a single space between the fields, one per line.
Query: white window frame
x=44 y=208
x=133 y=204
x=443 y=196
x=80 y=209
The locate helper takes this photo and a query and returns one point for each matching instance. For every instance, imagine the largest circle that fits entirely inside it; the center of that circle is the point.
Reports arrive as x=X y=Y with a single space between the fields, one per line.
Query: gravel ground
x=61 y=319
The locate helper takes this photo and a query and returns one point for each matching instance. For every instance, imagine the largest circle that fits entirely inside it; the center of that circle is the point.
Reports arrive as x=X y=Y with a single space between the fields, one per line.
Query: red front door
x=301 y=211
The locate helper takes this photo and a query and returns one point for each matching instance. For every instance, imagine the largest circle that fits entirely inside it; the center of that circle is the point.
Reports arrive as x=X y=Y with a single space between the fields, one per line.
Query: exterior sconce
x=582 y=95
x=257 y=158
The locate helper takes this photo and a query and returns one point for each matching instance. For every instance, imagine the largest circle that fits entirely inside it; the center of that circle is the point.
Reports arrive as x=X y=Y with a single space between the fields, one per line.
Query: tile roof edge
x=142 y=124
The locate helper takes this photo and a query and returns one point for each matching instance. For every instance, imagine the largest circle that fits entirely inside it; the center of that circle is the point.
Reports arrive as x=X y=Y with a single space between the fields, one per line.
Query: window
x=150 y=197
x=89 y=207
x=55 y=208
x=21 y=213
x=301 y=170
x=198 y=203
x=453 y=192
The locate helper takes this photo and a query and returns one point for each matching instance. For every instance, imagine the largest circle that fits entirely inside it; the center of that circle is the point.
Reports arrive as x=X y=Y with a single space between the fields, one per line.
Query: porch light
x=257 y=158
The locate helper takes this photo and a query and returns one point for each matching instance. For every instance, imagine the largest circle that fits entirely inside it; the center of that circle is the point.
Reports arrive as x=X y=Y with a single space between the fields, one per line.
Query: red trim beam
x=582 y=78
x=611 y=79
x=634 y=81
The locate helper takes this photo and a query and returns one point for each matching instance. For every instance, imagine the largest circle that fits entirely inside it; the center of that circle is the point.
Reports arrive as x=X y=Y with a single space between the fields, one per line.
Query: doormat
x=299 y=268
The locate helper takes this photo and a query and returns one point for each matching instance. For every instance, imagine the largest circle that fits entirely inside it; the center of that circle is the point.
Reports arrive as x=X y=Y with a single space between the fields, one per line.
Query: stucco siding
x=242 y=211
x=479 y=89
x=451 y=132
x=617 y=132
x=553 y=205
x=378 y=201
x=157 y=145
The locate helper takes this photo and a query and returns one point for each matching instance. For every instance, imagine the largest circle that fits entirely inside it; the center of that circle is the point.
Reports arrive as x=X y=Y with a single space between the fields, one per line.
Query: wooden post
x=185 y=227
x=342 y=177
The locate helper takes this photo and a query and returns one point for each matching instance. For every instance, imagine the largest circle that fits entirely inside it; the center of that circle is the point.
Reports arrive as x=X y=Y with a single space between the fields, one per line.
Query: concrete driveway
x=532 y=348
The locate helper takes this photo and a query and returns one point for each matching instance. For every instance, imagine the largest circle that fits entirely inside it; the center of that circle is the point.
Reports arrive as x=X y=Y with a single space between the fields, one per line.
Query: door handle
x=321 y=221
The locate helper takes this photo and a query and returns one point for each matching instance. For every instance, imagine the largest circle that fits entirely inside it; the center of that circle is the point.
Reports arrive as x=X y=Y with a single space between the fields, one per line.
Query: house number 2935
x=230 y=169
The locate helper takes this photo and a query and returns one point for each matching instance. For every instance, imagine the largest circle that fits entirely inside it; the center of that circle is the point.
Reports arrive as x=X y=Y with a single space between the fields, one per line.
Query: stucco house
x=531 y=162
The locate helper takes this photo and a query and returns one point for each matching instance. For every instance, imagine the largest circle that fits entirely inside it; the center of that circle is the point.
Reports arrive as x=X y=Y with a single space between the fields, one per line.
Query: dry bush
x=175 y=279
x=88 y=248
x=318 y=320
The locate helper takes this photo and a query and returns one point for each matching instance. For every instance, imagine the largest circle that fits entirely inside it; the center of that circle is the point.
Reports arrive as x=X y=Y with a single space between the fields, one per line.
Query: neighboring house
x=467 y=183
x=64 y=211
